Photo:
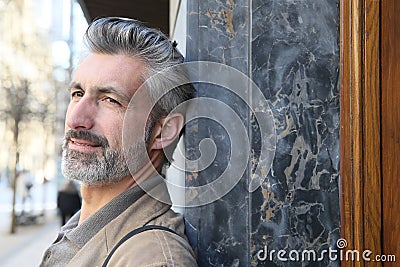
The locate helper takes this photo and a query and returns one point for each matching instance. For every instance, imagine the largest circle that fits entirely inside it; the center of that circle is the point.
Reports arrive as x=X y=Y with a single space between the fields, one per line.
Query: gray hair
x=130 y=37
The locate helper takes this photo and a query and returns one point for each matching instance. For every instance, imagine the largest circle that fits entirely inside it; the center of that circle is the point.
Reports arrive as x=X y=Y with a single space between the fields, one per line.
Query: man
x=110 y=155
x=68 y=201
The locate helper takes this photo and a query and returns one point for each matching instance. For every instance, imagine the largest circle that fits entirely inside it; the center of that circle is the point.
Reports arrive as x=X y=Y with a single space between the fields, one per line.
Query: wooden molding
x=390 y=99
x=360 y=168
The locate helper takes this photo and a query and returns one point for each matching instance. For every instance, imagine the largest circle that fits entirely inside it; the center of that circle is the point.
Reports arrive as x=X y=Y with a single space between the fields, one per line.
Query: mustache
x=88 y=136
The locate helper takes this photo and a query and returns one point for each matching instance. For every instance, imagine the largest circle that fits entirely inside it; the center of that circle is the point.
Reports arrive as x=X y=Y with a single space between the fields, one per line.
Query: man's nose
x=81 y=114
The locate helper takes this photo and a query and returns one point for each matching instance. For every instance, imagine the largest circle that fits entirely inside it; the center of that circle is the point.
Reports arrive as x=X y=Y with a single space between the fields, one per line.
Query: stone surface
x=214 y=35
x=290 y=50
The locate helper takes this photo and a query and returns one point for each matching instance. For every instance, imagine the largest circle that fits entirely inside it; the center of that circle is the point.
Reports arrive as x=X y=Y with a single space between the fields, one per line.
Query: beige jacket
x=153 y=248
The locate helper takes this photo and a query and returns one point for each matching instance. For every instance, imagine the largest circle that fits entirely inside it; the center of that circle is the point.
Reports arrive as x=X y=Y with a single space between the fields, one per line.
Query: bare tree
x=26 y=70
x=21 y=105
x=15 y=111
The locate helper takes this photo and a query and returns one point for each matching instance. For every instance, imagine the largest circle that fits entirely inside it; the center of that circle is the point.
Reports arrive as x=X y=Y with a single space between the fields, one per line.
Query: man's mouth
x=84 y=141
x=82 y=144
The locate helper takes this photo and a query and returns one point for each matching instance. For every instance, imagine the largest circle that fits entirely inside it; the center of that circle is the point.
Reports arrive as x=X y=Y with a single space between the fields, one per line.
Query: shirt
x=89 y=243
x=73 y=237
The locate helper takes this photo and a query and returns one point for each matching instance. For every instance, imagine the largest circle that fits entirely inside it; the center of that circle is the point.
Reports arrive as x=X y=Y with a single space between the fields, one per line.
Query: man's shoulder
x=155 y=247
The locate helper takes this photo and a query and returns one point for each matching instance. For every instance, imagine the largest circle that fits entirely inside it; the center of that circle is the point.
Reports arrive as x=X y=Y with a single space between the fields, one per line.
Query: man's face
x=100 y=93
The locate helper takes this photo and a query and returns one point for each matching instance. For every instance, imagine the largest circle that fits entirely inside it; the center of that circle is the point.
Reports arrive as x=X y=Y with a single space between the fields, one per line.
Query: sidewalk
x=25 y=248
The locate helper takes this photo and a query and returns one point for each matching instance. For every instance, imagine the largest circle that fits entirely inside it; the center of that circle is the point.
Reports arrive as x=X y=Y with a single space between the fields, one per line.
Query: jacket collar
x=81 y=234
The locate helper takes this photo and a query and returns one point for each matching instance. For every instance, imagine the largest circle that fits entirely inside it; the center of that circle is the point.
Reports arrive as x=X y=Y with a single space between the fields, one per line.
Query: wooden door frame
x=360 y=126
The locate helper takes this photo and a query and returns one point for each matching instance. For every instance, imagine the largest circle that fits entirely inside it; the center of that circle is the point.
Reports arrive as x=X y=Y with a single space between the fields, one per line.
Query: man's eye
x=76 y=94
x=112 y=101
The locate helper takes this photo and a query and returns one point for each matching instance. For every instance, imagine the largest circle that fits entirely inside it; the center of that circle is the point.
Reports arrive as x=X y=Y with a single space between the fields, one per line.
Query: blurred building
x=35 y=54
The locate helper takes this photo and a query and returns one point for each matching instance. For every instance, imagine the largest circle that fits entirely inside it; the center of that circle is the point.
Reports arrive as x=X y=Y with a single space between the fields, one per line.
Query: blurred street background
x=39 y=47
x=26 y=246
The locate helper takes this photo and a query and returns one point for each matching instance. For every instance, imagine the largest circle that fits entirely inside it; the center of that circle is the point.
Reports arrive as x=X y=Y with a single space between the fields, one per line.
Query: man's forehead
x=103 y=70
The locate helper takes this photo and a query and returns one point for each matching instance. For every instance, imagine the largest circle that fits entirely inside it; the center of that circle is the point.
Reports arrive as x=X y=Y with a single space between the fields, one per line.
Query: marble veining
x=295 y=58
x=290 y=50
x=218 y=32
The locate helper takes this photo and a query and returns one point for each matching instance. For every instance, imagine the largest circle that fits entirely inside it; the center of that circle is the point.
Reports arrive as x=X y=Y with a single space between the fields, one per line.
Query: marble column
x=290 y=50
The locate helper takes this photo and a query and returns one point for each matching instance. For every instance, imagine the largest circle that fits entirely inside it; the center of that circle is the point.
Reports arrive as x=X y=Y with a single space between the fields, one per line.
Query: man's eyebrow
x=103 y=90
x=75 y=85
x=112 y=90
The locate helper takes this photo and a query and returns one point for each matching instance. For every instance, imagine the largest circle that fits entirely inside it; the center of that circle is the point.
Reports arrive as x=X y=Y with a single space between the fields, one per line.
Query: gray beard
x=110 y=167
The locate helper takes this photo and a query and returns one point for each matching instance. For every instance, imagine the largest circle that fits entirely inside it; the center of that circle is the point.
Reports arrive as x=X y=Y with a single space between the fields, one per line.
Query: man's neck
x=96 y=197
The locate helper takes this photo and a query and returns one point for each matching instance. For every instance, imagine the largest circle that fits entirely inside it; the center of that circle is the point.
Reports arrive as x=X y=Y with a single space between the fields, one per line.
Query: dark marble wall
x=218 y=32
x=295 y=59
x=290 y=50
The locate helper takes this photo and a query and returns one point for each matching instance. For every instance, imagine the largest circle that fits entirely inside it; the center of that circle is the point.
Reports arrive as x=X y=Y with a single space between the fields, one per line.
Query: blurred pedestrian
x=68 y=201
x=24 y=186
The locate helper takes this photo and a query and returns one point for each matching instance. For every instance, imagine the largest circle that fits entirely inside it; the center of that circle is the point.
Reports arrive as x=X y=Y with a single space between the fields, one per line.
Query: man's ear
x=167 y=131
